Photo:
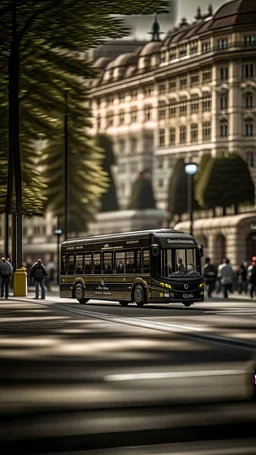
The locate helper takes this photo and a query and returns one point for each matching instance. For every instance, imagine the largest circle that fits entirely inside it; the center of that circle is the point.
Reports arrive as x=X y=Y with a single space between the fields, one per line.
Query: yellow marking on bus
x=201 y=285
x=168 y=286
x=161 y=294
x=161 y=284
x=124 y=279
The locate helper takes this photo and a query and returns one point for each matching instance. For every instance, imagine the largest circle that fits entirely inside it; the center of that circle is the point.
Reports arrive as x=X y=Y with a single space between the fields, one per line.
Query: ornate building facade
x=194 y=93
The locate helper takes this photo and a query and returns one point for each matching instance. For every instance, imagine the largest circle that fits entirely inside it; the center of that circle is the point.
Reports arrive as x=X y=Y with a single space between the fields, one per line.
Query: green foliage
x=50 y=33
x=142 y=196
x=108 y=201
x=178 y=190
x=225 y=181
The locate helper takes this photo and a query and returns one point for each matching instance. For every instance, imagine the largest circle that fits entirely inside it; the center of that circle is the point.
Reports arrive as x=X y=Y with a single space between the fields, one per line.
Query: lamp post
x=58 y=233
x=191 y=170
x=66 y=176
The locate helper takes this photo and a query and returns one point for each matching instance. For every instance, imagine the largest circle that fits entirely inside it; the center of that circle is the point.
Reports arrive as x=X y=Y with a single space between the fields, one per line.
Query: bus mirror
x=200 y=250
x=155 y=249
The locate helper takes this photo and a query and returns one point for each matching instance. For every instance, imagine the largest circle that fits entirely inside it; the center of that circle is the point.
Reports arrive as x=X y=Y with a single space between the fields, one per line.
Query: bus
x=150 y=266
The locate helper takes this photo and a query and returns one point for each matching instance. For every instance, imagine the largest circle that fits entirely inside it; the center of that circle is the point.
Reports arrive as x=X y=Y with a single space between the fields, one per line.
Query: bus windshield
x=179 y=262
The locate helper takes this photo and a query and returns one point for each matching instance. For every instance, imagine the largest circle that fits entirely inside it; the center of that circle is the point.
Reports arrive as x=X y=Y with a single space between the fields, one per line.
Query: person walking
x=226 y=278
x=38 y=272
x=5 y=273
x=209 y=276
x=242 y=278
x=252 y=279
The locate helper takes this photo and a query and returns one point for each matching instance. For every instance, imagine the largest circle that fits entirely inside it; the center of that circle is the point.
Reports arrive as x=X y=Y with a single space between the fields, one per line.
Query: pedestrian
x=242 y=278
x=38 y=272
x=252 y=279
x=226 y=278
x=5 y=273
x=218 y=289
x=210 y=276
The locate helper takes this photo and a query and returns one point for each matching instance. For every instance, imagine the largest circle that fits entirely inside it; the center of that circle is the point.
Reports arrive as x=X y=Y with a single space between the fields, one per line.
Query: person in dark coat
x=5 y=273
x=38 y=272
x=252 y=279
x=209 y=276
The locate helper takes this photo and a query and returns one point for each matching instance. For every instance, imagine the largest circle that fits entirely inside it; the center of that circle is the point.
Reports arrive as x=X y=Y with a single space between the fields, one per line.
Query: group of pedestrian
x=224 y=278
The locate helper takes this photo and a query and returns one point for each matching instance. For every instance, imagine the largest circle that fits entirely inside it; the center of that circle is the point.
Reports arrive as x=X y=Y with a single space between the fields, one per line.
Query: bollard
x=20 y=288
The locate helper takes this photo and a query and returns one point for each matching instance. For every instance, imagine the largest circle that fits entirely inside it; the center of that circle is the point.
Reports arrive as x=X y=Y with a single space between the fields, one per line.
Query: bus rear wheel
x=187 y=304
x=79 y=294
x=123 y=303
x=139 y=296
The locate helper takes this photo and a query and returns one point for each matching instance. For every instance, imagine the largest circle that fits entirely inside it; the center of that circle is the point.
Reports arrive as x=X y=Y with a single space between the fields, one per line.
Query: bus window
x=146 y=261
x=138 y=261
x=107 y=262
x=87 y=263
x=79 y=263
x=71 y=263
x=96 y=263
x=120 y=262
x=129 y=262
x=63 y=264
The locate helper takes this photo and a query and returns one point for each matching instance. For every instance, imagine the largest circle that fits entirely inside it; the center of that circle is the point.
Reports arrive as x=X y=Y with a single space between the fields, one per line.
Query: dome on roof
x=123 y=60
x=236 y=12
x=150 y=48
x=101 y=62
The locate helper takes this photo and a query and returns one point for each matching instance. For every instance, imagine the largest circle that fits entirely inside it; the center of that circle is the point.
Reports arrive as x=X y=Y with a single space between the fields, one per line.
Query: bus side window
x=146 y=261
x=79 y=263
x=96 y=263
x=87 y=263
x=129 y=262
x=63 y=264
x=107 y=262
x=138 y=261
x=120 y=262
x=71 y=263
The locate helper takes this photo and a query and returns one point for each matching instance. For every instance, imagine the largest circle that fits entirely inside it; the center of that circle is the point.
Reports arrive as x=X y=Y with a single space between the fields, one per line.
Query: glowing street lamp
x=191 y=170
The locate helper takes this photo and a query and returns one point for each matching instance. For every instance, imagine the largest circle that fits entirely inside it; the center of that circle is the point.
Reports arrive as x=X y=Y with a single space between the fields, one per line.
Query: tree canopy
x=225 y=181
x=142 y=196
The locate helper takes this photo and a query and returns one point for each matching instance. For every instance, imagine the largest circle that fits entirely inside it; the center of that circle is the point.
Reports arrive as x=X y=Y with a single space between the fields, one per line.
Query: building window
x=248 y=101
x=194 y=106
x=172 y=83
x=121 y=97
x=110 y=120
x=134 y=115
x=207 y=101
x=248 y=70
x=121 y=118
x=194 y=79
x=172 y=54
x=162 y=112
x=223 y=128
x=134 y=145
x=206 y=131
x=148 y=113
x=250 y=159
x=183 y=108
x=172 y=110
x=194 y=132
x=148 y=91
x=160 y=183
x=183 y=134
x=250 y=40
x=163 y=57
x=206 y=47
x=172 y=136
x=223 y=43
x=207 y=74
x=182 y=50
x=193 y=47
x=134 y=94
x=183 y=82
x=160 y=164
x=161 y=137
x=98 y=123
x=162 y=88
x=223 y=74
x=224 y=101
x=249 y=128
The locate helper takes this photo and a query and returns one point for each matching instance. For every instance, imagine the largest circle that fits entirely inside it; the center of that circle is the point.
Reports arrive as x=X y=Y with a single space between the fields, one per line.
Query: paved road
x=94 y=376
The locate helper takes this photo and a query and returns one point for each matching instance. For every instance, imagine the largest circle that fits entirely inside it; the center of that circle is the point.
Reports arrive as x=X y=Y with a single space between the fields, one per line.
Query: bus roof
x=123 y=236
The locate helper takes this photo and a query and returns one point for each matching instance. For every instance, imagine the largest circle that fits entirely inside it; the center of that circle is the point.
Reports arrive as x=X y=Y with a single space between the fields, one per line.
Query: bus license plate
x=187 y=296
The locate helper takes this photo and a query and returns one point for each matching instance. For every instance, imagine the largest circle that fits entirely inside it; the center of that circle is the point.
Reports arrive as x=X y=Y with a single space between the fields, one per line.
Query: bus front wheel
x=79 y=294
x=139 y=296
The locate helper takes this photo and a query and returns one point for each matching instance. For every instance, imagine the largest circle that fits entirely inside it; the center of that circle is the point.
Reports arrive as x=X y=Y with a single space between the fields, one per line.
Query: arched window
x=220 y=248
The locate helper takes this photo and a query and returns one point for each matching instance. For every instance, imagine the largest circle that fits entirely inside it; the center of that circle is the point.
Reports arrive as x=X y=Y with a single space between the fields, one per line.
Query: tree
x=219 y=186
x=108 y=201
x=142 y=196
x=178 y=190
x=28 y=28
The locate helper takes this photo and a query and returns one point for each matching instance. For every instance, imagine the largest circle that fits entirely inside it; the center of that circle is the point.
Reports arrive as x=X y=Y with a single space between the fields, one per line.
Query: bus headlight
x=201 y=285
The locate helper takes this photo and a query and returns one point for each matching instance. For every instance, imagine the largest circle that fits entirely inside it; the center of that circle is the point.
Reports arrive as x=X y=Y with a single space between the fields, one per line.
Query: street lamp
x=191 y=170
x=58 y=233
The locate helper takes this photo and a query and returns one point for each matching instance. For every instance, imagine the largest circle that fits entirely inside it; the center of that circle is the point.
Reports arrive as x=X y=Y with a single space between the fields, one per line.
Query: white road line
x=170 y=375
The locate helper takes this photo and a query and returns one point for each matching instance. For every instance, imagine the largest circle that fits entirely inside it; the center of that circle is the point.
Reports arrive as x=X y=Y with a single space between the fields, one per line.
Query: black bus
x=151 y=266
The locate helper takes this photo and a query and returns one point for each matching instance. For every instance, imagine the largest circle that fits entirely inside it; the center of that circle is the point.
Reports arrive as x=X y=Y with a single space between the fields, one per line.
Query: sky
x=141 y=25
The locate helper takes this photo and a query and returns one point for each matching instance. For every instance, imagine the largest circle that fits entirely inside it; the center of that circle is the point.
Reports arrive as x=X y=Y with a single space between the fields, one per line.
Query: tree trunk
x=14 y=149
